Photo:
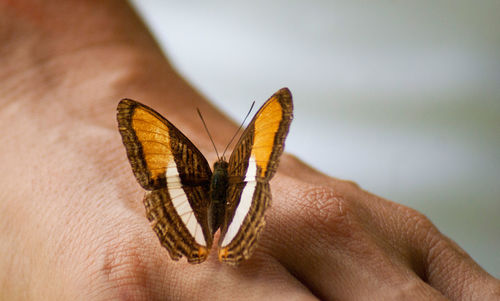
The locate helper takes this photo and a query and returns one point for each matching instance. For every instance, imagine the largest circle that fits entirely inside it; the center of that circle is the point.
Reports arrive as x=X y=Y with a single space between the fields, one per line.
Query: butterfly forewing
x=251 y=165
x=165 y=162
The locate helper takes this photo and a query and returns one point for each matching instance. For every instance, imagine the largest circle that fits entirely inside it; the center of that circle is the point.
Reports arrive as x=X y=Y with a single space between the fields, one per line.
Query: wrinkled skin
x=72 y=224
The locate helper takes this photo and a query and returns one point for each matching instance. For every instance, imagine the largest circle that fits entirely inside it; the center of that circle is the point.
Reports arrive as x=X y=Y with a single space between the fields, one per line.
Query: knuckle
x=418 y=226
x=414 y=290
x=348 y=183
x=326 y=212
x=122 y=271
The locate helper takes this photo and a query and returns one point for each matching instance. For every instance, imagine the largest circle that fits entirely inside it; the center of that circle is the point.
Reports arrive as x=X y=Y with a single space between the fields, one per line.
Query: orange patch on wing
x=202 y=252
x=155 y=141
x=266 y=126
x=223 y=254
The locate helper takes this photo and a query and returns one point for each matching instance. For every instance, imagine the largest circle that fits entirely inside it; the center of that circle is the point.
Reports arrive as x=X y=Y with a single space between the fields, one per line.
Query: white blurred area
x=401 y=97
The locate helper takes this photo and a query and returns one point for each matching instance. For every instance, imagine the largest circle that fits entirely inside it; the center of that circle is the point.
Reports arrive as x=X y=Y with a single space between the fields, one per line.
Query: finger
x=434 y=257
x=453 y=272
x=324 y=245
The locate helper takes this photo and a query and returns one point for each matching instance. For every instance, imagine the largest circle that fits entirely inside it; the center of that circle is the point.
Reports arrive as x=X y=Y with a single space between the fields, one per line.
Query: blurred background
x=401 y=97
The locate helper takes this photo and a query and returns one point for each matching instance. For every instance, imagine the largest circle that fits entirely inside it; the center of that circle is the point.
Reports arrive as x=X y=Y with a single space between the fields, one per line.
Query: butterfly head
x=221 y=164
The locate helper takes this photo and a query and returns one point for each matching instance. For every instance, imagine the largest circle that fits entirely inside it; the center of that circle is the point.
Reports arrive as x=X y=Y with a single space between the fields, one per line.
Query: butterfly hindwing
x=171 y=228
x=251 y=165
x=177 y=176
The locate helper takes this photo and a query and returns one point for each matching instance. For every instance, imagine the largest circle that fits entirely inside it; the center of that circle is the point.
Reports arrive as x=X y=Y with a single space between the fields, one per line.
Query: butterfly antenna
x=241 y=125
x=209 y=136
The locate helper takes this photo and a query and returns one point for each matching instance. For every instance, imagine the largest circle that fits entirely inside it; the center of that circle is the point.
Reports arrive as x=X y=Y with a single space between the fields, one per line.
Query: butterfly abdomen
x=218 y=194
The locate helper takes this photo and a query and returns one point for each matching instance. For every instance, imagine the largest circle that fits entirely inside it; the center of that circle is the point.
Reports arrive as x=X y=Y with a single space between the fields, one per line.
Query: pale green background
x=402 y=97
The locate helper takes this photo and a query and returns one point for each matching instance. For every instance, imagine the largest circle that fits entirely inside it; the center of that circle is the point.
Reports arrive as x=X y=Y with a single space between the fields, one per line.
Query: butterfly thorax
x=218 y=191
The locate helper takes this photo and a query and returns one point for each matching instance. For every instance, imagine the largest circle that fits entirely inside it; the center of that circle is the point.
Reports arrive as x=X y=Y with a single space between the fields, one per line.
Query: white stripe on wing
x=245 y=203
x=181 y=204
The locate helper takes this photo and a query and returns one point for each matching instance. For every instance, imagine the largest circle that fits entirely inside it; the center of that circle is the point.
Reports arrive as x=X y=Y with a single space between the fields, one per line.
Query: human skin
x=72 y=223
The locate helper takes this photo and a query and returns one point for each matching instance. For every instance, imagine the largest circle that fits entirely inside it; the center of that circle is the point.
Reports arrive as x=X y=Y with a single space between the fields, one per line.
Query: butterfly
x=186 y=203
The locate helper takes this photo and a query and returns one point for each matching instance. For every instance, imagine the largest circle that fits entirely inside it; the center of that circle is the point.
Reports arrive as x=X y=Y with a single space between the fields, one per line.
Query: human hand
x=72 y=223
